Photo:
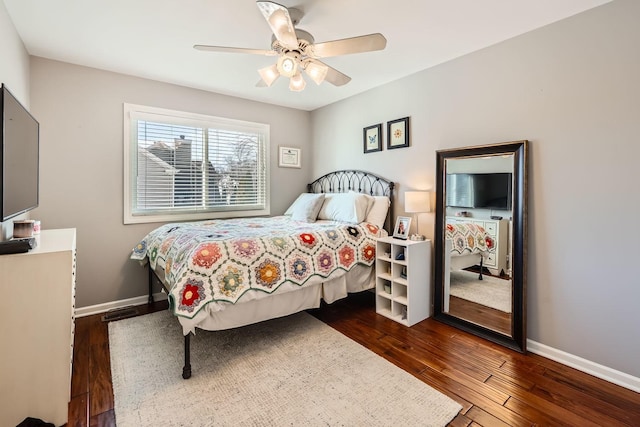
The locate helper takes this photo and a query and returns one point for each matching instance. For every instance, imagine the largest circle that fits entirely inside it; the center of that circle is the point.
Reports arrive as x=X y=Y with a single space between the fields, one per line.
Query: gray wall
x=572 y=89
x=14 y=72
x=81 y=170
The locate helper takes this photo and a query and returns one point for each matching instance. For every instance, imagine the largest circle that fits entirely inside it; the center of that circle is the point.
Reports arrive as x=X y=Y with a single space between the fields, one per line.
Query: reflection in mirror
x=480 y=220
x=477 y=280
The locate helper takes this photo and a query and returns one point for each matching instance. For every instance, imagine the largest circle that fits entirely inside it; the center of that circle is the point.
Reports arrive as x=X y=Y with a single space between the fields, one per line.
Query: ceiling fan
x=297 y=51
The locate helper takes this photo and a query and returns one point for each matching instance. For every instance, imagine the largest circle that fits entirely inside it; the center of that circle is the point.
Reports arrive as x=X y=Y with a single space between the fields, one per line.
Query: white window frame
x=132 y=113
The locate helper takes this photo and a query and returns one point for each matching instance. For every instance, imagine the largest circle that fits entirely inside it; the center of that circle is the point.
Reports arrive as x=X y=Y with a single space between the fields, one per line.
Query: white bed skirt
x=270 y=306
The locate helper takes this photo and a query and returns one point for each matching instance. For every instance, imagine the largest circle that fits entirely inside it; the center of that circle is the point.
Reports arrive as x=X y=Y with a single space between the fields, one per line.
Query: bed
x=222 y=274
x=466 y=245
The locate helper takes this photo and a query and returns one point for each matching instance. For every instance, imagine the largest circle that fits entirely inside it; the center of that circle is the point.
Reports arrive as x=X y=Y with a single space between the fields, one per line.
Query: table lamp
x=417 y=202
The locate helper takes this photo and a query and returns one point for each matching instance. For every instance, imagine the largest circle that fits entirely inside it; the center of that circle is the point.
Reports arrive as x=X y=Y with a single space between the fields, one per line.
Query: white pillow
x=344 y=207
x=299 y=199
x=306 y=207
x=378 y=212
x=370 y=201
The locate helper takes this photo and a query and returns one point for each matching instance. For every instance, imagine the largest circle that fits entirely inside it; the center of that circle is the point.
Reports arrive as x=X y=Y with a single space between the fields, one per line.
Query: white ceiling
x=153 y=39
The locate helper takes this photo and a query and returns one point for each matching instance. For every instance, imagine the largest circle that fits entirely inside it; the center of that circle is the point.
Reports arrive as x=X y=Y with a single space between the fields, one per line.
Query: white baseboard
x=114 y=305
x=592 y=368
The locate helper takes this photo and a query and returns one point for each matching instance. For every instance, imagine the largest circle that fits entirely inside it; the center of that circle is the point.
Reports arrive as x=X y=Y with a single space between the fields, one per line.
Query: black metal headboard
x=359 y=181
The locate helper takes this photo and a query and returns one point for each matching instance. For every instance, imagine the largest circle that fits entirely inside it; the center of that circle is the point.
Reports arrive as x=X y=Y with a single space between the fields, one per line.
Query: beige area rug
x=293 y=371
x=490 y=291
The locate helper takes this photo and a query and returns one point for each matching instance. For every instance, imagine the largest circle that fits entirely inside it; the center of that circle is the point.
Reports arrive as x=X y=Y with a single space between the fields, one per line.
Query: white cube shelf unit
x=403 y=286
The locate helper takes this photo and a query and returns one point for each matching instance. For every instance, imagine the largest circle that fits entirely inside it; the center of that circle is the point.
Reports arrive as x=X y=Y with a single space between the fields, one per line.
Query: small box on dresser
x=37 y=329
x=403 y=279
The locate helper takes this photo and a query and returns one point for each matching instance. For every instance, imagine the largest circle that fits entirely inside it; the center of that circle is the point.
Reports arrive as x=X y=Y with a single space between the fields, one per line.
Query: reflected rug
x=490 y=291
x=293 y=370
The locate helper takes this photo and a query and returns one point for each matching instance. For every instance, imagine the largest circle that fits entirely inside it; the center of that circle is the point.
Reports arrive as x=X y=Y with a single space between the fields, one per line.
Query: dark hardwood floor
x=494 y=385
x=480 y=314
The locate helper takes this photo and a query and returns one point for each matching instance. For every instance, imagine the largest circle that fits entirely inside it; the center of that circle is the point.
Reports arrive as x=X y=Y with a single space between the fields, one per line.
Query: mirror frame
x=517 y=340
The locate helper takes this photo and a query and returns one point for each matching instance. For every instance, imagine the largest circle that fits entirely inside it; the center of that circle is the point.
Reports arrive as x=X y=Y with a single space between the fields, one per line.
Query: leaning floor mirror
x=481 y=241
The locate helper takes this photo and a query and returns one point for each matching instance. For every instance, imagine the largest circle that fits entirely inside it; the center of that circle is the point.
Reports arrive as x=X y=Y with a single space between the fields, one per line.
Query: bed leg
x=480 y=275
x=150 y=271
x=186 y=370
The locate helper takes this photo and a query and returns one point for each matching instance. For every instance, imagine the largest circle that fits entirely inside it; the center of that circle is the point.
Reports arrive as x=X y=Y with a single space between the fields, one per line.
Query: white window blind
x=187 y=166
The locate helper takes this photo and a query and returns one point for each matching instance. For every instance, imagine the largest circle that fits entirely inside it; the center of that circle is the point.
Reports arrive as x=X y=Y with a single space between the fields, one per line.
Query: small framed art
x=398 y=133
x=289 y=157
x=372 y=138
x=401 y=230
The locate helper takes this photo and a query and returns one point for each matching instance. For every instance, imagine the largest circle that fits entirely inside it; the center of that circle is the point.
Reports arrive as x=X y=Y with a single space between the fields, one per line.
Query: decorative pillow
x=378 y=212
x=344 y=207
x=306 y=207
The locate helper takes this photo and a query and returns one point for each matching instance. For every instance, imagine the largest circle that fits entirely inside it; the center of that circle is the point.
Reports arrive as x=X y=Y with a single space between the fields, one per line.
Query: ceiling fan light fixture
x=317 y=72
x=297 y=83
x=269 y=74
x=298 y=51
x=287 y=66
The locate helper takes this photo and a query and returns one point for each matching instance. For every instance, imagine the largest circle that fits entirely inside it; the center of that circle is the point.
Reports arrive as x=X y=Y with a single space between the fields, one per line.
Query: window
x=184 y=166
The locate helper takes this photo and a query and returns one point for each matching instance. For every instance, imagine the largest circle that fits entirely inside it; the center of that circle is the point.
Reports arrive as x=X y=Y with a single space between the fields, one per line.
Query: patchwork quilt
x=222 y=260
x=468 y=238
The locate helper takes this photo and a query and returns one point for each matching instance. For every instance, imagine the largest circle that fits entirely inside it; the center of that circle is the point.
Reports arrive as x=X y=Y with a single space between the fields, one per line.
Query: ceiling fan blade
x=358 y=44
x=226 y=49
x=279 y=20
x=334 y=76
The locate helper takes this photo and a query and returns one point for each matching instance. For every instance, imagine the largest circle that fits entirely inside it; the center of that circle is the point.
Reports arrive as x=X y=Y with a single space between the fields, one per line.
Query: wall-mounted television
x=19 y=157
x=479 y=190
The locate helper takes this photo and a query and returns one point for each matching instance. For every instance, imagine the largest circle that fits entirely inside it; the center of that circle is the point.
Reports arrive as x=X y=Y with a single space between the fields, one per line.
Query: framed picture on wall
x=372 y=138
x=289 y=157
x=398 y=133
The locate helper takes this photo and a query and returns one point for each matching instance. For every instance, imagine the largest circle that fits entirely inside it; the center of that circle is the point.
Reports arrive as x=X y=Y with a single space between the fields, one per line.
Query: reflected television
x=479 y=190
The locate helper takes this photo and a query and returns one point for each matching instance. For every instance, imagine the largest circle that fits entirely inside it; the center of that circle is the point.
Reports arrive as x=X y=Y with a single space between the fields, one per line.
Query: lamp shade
x=297 y=83
x=316 y=71
x=417 y=201
x=269 y=74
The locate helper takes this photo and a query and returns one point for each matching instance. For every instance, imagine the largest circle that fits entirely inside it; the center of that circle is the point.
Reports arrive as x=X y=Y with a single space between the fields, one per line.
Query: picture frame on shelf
x=401 y=230
x=398 y=133
x=372 y=138
x=289 y=157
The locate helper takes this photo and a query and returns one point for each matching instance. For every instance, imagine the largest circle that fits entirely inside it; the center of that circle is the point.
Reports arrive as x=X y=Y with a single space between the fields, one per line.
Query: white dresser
x=498 y=259
x=37 y=328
